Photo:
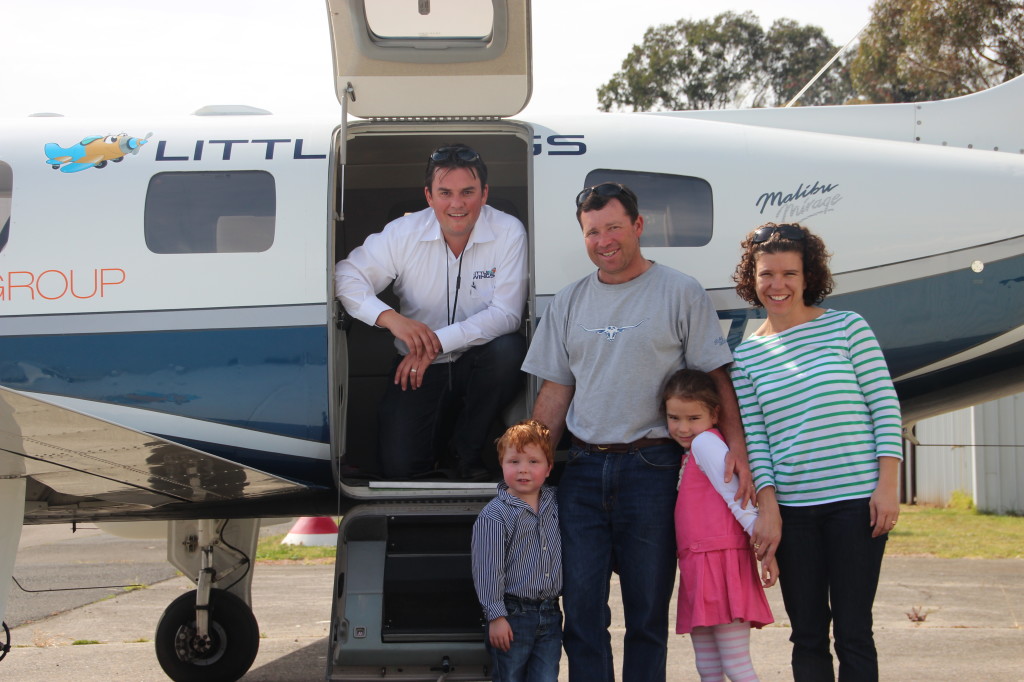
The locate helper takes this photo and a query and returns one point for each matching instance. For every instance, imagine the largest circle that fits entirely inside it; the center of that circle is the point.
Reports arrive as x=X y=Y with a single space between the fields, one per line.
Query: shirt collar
x=546 y=495
x=483 y=231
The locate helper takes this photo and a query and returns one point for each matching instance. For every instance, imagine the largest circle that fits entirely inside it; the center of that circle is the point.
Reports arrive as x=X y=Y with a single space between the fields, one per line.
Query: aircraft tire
x=234 y=639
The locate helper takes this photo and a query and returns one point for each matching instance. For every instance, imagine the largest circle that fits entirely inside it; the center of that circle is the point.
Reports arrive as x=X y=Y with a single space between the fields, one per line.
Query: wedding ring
x=413 y=369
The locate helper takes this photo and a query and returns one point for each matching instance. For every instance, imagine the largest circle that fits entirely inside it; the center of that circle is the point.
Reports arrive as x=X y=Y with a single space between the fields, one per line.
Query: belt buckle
x=602 y=448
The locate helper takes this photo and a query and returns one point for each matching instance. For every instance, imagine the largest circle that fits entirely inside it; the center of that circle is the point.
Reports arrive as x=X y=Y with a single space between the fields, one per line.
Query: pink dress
x=718 y=576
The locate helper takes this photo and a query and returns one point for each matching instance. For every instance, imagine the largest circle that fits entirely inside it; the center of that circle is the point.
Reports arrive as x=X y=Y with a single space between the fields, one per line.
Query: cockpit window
x=677 y=209
x=211 y=212
x=428 y=19
x=6 y=187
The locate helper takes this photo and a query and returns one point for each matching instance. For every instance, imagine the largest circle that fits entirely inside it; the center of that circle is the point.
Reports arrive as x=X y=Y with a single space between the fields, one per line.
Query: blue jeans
x=616 y=511
x=828 y=569
x=536 y=642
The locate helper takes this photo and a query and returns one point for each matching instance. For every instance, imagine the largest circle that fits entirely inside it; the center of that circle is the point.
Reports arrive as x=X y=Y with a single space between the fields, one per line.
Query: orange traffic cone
x=313 y=531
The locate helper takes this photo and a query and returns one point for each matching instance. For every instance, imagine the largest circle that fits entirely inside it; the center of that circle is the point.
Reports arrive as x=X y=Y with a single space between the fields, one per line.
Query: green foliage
x=270 y=549
x=961 y=500
x=793 y=55
x=725 y=61
x=82 y=642
x=918 y=50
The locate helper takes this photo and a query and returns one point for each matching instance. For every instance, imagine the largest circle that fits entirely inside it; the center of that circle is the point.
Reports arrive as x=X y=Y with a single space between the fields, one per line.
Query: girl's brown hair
x=689 y=384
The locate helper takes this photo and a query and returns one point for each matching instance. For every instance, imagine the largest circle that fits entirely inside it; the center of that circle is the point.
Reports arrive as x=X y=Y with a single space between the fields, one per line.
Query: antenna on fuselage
x=825 y=68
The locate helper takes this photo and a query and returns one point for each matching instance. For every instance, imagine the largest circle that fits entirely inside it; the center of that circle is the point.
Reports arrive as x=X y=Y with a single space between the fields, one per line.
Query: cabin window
x=6 y=185
x=677 y=209
x=211 y=212
x=397 y=20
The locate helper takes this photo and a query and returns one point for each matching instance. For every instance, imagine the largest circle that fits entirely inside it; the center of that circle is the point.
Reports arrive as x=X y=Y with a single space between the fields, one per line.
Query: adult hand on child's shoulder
x=736 y=464
x=500 y=633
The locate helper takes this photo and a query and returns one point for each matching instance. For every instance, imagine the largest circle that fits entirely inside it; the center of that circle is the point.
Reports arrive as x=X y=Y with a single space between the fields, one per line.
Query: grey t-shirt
x=617 y=343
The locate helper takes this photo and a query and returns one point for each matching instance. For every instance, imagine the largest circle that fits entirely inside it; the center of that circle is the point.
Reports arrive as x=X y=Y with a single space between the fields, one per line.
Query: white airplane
x=171 y=349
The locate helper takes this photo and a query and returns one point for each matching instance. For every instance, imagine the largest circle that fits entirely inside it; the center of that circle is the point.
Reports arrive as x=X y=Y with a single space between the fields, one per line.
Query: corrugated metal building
x=979 y=450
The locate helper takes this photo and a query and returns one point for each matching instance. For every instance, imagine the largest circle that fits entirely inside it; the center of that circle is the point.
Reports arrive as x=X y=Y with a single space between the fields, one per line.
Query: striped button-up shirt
x=516 y=551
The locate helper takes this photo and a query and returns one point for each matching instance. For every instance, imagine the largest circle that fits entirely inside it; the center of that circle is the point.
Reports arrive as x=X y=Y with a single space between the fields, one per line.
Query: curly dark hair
x=817 y=277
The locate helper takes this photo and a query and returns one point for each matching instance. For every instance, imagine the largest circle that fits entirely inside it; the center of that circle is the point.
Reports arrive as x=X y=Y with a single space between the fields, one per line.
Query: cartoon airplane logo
x=93 y=152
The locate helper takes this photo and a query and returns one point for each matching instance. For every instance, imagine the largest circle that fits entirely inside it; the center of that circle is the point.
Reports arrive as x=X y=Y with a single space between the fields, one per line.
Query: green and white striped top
x=818 y=408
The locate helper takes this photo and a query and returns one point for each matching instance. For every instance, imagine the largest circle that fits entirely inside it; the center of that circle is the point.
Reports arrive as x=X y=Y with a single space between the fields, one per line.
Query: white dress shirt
x=412 y=253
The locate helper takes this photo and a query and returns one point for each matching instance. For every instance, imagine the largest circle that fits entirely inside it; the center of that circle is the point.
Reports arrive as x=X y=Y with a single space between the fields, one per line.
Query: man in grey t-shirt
x=604 y=348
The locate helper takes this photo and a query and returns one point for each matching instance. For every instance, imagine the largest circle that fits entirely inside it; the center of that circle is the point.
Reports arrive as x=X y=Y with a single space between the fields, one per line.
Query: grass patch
x=271 y=549
x=80 y=642
x=956 y=533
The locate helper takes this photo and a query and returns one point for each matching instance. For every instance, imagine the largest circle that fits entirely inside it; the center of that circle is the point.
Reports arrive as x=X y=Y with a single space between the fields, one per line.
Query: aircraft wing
x=80 y=468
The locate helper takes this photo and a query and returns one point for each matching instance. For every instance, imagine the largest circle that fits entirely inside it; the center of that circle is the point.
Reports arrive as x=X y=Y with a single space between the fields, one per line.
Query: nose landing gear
x=224 y=653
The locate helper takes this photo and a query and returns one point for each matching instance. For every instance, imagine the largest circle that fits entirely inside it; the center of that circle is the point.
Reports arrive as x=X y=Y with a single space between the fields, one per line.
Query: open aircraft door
x=421 y=74
x=428 y=58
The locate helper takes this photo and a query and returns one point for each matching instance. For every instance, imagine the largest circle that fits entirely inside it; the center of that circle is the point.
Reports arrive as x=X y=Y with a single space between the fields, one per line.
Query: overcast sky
x=103 y=57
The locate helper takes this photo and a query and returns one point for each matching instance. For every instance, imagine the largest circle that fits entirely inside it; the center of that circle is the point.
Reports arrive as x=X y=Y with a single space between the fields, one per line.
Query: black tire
x=101 y=164
x=234 y=639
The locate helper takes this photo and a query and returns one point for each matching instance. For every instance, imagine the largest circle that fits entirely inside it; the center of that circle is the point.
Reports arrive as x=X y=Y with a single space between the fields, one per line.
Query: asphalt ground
x=969 y=625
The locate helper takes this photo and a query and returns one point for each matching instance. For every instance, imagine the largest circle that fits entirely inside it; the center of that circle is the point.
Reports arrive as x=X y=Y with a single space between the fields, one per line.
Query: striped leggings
x=724 y=651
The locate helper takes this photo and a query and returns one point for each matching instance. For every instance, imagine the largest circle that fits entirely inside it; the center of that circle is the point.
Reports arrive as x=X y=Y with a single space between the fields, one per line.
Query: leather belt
x=619 y=448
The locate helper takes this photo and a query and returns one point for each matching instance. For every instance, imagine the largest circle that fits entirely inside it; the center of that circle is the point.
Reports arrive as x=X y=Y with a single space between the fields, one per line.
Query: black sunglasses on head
x=443 y=154
x=607 y=190
x=787 y=230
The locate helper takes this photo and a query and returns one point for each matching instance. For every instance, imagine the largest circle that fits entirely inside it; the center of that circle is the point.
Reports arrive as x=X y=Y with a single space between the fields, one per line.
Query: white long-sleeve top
x=412 y=253
x=708 y=451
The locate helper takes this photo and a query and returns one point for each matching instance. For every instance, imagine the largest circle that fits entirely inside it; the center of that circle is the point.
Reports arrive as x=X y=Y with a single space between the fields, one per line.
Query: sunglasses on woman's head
x=787 y=230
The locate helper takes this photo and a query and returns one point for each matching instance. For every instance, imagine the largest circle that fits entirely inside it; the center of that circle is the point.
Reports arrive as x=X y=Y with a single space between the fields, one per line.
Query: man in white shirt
x=459 y=271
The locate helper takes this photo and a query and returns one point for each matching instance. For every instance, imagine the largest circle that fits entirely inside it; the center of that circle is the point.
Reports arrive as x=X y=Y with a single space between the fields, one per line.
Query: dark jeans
x=828 y=569
x=536 y=642
x=617 y=510
x=412 y=423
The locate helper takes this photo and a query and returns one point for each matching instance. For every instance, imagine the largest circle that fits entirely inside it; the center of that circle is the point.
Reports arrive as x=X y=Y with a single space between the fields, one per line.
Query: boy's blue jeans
x=536 y=642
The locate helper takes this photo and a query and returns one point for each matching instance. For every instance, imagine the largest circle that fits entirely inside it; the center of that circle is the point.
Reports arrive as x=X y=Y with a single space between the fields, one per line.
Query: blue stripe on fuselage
x=268 y=379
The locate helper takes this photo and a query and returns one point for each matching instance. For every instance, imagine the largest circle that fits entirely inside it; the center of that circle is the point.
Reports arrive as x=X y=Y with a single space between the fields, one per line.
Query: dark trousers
x=828 y=568
x=478 y=386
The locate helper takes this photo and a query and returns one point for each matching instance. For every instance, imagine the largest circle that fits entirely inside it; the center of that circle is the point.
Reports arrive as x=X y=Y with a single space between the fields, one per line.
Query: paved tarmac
x=971 y=627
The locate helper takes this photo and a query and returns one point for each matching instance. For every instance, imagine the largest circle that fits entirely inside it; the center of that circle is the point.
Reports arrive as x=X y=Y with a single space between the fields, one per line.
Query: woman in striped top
x=824 y=435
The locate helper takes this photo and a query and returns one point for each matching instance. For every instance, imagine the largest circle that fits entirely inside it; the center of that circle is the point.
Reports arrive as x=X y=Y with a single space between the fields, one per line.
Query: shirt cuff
x=495 y=610
x=451 y=338
x=370 y=310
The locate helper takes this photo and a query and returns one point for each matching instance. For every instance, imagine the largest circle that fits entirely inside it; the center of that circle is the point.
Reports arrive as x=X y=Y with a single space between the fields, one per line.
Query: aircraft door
x=398 y=58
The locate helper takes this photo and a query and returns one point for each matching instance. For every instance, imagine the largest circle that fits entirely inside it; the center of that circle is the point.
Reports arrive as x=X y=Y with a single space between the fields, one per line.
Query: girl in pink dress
x=720 y=592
